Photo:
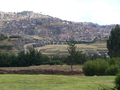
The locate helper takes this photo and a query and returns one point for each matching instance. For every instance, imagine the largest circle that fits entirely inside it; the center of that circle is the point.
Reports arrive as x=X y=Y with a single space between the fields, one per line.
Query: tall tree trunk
x=71 y=67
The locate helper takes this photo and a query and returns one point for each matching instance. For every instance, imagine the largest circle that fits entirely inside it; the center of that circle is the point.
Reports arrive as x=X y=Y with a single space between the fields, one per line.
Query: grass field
x=55 y=82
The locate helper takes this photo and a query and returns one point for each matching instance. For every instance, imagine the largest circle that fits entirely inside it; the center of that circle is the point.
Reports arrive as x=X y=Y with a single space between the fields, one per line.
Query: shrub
x=54 y=62
x=117 y=82
x=6 y=59
x=113 y=61
x=89 y=68
x=95 y=67
x=14 y=36
x=3 y=37
x=112 y=70
x=6 y=47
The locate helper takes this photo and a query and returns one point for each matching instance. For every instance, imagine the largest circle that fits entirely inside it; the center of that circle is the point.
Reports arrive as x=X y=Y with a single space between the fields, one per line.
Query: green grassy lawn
x=55 y=82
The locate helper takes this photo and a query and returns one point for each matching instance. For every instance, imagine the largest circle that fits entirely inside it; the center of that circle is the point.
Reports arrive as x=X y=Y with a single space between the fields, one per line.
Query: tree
x=2 y=36
x=73 y=53
x=117 y=82
x=31 y=57
x=113 y=43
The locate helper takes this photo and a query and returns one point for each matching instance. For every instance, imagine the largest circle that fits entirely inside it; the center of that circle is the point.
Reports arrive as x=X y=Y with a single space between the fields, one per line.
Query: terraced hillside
x=50 y=33
x=98 y=47
x=8 y=46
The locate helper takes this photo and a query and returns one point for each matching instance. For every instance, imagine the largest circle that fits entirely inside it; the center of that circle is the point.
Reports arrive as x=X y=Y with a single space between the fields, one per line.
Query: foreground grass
x=54 y=82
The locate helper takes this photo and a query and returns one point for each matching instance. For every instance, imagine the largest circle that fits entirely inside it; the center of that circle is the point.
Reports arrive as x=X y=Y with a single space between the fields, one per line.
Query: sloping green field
x=55 y=82
x=62 y=49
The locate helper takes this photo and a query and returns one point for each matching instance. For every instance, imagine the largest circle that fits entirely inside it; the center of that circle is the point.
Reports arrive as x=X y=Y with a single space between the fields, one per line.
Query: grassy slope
x=54 y=82
x=9 y=42
x=98 y=46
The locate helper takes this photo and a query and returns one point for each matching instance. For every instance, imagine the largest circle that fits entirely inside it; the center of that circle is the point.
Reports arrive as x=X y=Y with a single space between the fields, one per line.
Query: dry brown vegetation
x=43 y=69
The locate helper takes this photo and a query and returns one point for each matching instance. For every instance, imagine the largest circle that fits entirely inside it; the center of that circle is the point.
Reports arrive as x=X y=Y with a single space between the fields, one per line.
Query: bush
x=117 y=82
x=14 y=36
x=3 y=37
x=112 y=70
x=54 y=62
x=95 y=67
x=113 y=61
x=6 y=59
x=6 y=47
x=89 y=68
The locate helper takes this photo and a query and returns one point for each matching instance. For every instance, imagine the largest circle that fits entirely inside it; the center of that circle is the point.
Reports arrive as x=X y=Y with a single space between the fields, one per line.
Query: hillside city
x=39 y=30
x=30 y=23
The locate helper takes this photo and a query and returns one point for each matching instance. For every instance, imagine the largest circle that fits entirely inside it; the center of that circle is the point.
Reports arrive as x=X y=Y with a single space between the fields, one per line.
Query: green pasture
x=55 y=82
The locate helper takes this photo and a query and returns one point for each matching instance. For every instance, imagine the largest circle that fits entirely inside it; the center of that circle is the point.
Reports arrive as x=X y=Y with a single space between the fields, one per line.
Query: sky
x=102 y=12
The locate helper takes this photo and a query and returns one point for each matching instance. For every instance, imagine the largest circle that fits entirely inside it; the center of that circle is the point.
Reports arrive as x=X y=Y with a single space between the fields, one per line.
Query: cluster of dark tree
x=14 y=36
x=113 y=43
x=3 y=37
x=6 y=47
x=110 y=66
x=117 y=82
x=34 y=57
x=85 y=42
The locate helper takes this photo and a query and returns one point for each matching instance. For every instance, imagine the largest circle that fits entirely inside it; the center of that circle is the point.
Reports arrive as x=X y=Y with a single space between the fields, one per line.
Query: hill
x=30 y=23
x=38 y=30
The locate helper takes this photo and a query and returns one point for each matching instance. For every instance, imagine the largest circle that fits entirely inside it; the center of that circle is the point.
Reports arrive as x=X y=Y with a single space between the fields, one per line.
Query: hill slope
x=30 y=23
x=39 y=30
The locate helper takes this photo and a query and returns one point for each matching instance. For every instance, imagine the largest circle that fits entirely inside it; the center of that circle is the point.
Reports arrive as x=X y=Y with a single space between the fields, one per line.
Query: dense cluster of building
x=57 y=30
x=32 y=23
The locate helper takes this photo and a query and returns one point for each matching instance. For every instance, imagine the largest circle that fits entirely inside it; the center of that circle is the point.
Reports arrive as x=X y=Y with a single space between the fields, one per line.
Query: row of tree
x=34 y=57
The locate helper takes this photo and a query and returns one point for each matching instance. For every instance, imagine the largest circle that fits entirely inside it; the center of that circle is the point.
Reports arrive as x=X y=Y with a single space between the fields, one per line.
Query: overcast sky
x=103 y=12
